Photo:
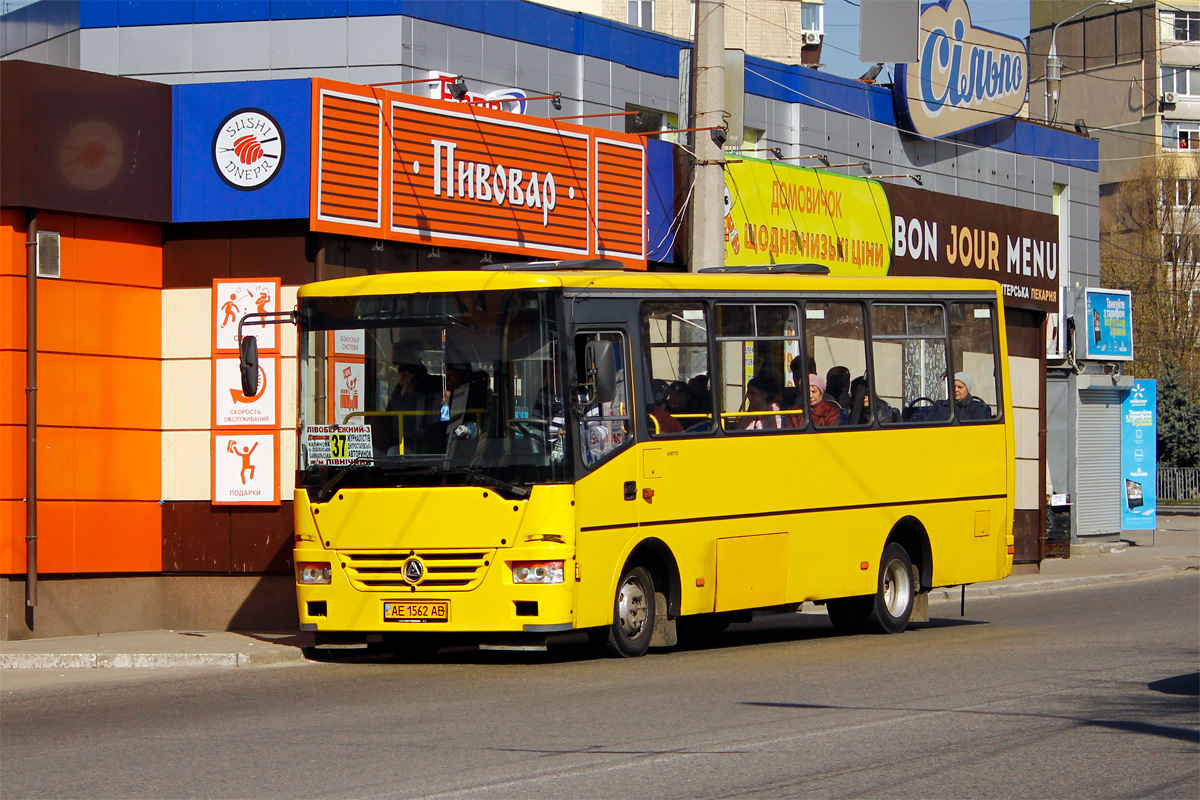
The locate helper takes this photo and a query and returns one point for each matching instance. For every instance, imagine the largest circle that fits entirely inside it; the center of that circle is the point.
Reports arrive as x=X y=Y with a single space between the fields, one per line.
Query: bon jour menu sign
x=953 y=237
x=965 y=76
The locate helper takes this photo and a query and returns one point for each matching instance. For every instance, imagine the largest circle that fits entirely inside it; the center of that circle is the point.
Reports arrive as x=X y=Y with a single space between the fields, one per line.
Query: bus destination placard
x=338 y=445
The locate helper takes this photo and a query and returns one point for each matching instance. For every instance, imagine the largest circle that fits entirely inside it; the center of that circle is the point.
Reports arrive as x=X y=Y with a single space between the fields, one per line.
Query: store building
x=157 y=224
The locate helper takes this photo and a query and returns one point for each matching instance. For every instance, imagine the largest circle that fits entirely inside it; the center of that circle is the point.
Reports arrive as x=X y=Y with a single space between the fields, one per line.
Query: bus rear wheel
x=633 y=616
x=889 y=609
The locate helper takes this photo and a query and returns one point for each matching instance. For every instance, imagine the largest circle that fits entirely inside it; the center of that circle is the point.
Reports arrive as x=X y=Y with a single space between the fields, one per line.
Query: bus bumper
x=494 y=605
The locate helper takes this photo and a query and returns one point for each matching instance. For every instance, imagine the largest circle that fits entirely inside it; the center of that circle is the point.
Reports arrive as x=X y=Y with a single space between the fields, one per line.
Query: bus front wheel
x=633 y=616
x=889 y=609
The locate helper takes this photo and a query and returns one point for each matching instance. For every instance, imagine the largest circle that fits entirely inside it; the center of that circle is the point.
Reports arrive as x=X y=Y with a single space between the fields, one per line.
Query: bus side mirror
x=601 y=365
x=248 y=364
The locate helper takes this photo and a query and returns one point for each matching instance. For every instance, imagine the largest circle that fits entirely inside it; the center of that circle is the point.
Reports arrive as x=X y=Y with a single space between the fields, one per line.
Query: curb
x=146 y=660
x=984 y=590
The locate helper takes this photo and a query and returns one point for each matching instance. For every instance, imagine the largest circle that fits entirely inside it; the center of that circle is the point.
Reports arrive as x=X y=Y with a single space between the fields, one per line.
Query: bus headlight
x=314 y=572
x=537 y=571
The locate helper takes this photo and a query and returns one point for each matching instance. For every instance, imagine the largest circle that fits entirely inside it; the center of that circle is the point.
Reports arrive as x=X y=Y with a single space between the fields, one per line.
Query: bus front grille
x=445 y=570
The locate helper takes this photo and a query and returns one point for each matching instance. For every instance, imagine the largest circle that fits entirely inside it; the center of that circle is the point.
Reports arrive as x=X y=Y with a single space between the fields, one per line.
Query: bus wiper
x=330 y=486
x=516 y=490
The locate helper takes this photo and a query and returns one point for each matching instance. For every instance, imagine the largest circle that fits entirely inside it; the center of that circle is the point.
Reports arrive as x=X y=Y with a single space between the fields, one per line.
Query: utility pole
x=708 y=82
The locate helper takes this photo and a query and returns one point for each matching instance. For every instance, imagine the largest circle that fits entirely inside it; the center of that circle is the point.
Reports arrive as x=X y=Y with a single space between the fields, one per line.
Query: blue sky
x=840 y=51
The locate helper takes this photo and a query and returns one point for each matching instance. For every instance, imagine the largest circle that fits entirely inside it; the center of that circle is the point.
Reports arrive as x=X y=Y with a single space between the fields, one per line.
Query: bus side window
x=835 y=337
x=908 y=348
x=973 y=348
x=756 y=345
x=680 y=400
x=605 y=427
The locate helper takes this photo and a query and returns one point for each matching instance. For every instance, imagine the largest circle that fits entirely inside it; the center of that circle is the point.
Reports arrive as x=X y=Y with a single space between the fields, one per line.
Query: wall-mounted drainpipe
x=31 y=410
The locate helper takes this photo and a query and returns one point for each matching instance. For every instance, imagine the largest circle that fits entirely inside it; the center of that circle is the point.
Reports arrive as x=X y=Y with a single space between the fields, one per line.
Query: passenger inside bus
x=661 y=420
x=792 y=397
x=762 y=397
x=415 y=403
x=969 y=406
x=860 y=405
x=837 y=388
x=825 y=414
x=702 y=393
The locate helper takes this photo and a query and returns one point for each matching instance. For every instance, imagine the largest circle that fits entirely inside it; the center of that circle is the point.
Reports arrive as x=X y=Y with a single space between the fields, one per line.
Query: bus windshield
x=448 y=388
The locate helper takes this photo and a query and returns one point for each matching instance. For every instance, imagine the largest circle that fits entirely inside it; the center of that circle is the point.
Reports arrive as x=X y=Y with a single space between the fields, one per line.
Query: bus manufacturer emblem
x=414 y=570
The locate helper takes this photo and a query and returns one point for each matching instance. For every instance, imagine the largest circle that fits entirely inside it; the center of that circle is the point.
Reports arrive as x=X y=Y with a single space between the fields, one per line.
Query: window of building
x=812 y=17
x=1181 y=135
x=1181 y=26
x=1181 y=80
x=1181 y=192
x=641 y=14
x=1180 y=248
x=647 y=120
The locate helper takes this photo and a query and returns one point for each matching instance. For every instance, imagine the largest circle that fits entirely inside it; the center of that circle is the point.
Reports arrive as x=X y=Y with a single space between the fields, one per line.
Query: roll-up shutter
x=1098 y=470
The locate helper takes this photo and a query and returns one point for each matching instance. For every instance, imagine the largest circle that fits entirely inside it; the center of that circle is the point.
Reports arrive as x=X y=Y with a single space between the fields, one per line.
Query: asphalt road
x=1082 y=693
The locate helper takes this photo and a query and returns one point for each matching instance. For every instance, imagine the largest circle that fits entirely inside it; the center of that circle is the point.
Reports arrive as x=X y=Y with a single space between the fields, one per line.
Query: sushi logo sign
x=966 y=76
x=247 y=149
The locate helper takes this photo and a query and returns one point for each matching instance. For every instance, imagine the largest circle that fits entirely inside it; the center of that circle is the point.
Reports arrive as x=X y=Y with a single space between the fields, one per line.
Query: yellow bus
x=507 y=454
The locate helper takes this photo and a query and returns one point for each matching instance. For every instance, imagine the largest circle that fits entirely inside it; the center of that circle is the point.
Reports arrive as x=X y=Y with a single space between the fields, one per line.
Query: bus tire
x=633 y=616
x=893 y=601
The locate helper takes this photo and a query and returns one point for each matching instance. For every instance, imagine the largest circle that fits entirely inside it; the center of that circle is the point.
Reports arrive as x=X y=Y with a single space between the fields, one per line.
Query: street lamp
x=1054 y=63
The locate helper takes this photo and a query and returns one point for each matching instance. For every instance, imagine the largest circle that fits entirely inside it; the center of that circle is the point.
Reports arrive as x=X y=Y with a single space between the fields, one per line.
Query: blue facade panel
x=233 y=11
x=199 y=193
x=155 y=12
x=660 y=201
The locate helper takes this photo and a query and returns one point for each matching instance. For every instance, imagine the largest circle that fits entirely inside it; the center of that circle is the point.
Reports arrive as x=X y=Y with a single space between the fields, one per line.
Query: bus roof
x=636 y=281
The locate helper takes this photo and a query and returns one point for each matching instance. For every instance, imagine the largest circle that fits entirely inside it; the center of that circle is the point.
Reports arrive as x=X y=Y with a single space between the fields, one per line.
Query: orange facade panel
x=12 y=466
x=461 y=175
x=12 y=312
x=620 y=202
x=349 y=160
x=99 y=319
x=118 y=464
x=112 y=251
x=98 y=392
x=12 y=388
x=12 y=537
x=118 y=537
x=98 y=464
x=83 y=537
x=116 y=392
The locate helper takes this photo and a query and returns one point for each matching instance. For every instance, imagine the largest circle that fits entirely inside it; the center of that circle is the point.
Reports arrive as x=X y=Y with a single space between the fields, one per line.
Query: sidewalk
x=1176 y=549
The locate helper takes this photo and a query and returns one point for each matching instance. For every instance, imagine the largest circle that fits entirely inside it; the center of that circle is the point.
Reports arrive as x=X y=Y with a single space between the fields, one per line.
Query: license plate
x=416 y=610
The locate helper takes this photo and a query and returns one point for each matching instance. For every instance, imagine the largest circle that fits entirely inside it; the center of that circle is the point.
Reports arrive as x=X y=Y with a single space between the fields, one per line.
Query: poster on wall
x=783 y=214
x=1106 y=326
x=234 y=299
x=245 y=468
x=1139 y=456
x=232 y=408
x=347 y=390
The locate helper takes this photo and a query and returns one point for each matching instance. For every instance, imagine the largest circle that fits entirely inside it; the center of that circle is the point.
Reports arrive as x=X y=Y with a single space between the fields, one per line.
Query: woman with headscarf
x=824 y=413
x=968 y=406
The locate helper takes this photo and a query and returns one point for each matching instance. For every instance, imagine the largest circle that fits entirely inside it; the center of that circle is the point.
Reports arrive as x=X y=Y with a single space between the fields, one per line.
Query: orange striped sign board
x=395 y=166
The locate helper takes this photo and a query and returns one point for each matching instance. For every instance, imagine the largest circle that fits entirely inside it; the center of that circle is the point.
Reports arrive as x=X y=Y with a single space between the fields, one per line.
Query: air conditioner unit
x=812 y=37
x=1168 y=98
